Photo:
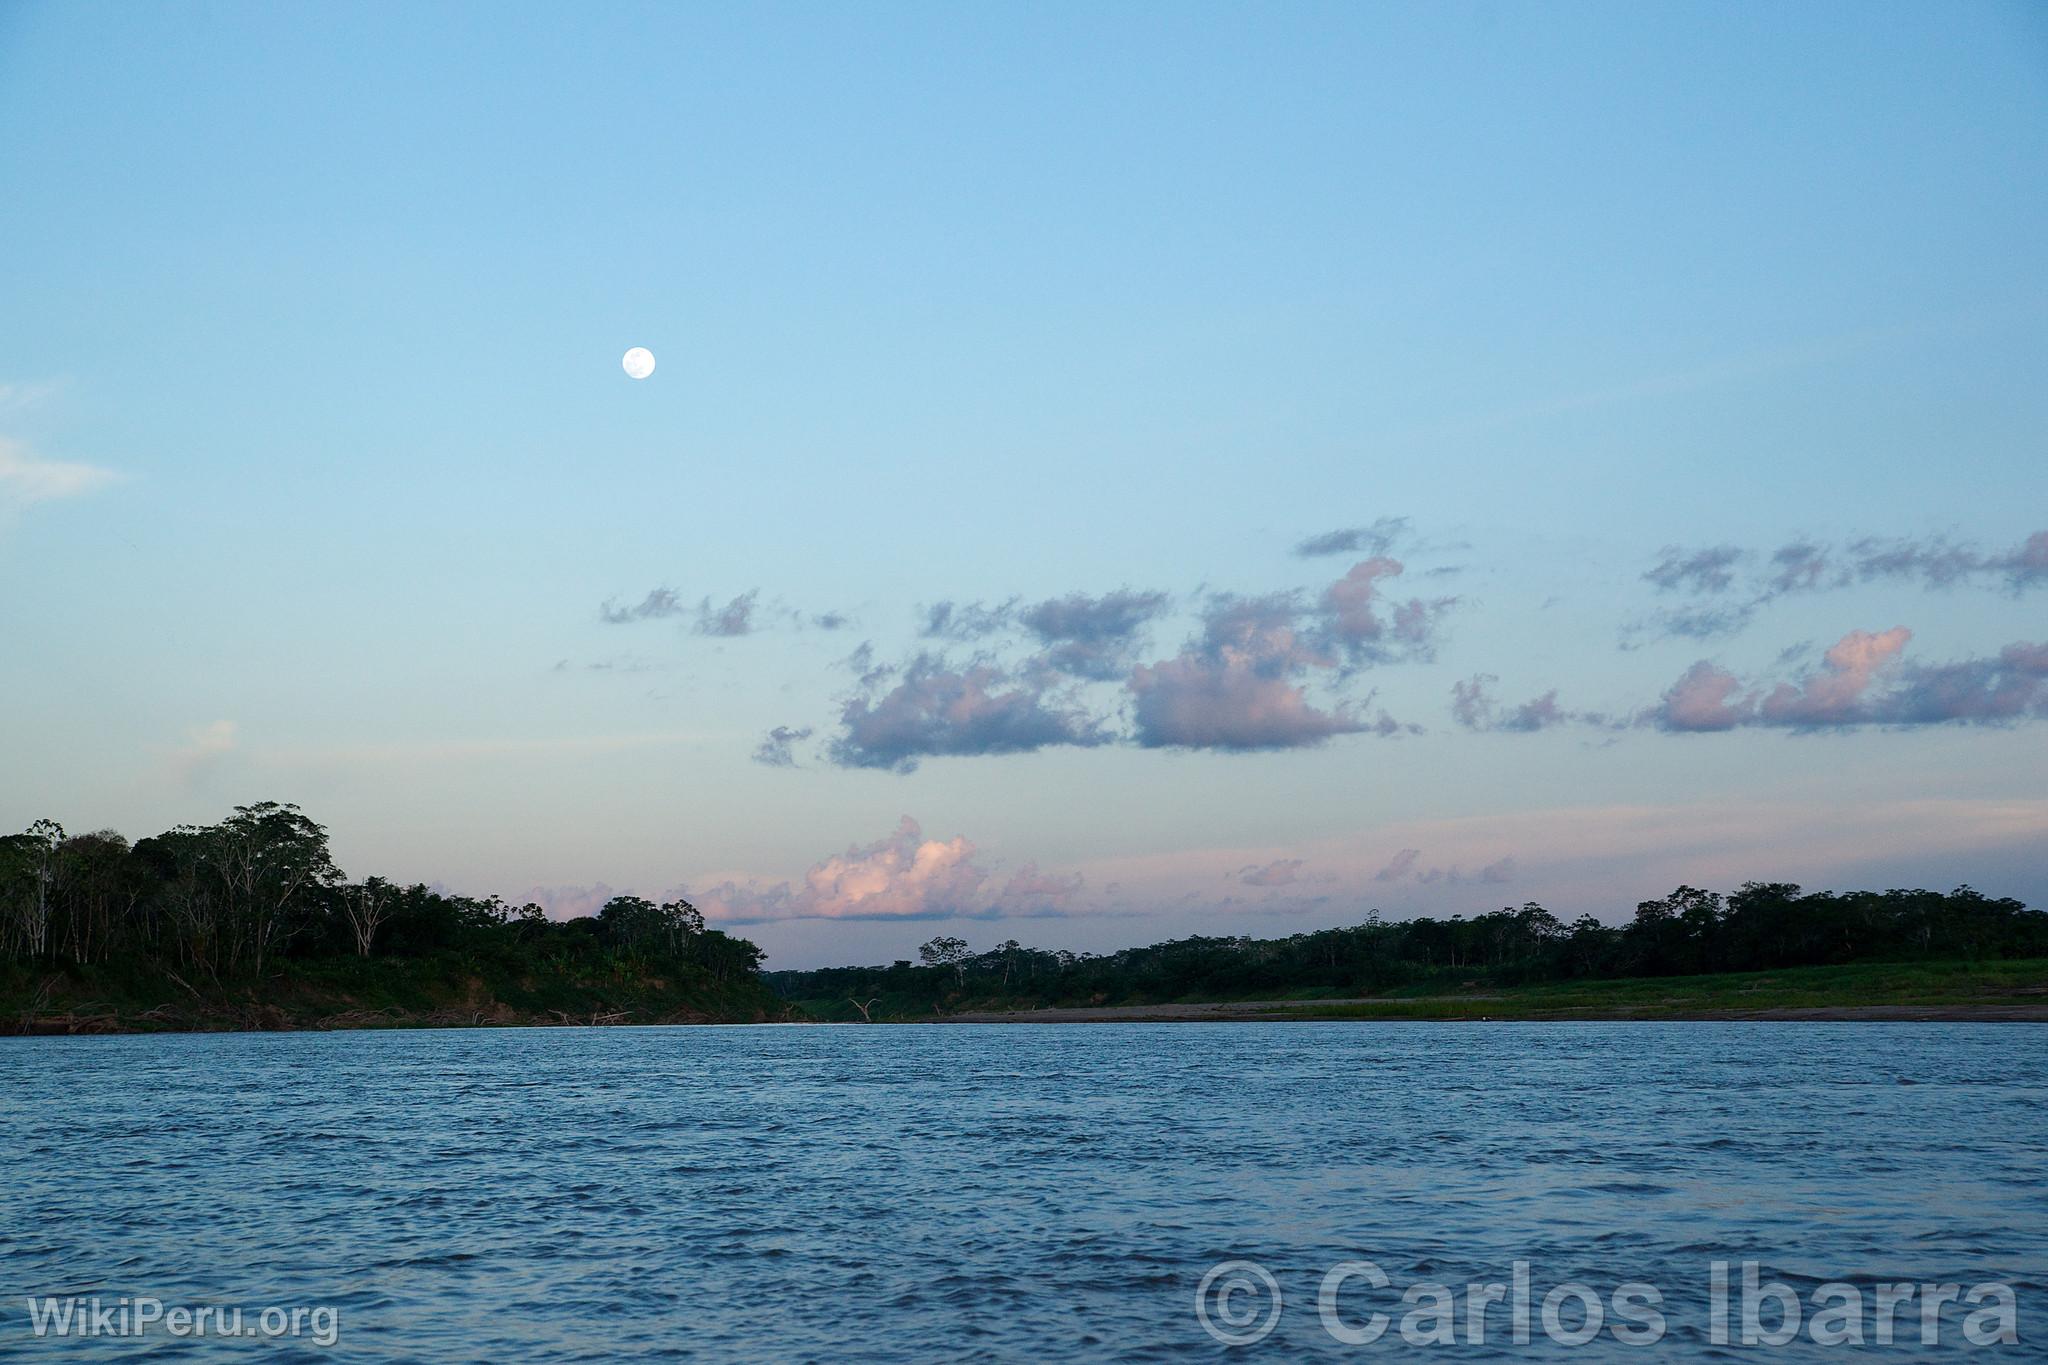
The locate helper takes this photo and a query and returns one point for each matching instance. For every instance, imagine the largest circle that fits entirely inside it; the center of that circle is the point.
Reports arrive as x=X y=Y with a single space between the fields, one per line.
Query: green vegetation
x=2015 y=984
x=1691 y=950
x=248 y=924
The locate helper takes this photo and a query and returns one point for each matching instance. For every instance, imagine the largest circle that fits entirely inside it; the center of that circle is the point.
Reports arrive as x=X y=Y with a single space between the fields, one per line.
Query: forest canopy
x=1762 y=925
x=233 y=899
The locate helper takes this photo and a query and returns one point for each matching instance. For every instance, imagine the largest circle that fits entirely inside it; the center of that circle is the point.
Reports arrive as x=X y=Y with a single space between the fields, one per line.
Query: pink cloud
x=1832 y=695
x=902 y=876
x=1700 y=700
x=1865 y=680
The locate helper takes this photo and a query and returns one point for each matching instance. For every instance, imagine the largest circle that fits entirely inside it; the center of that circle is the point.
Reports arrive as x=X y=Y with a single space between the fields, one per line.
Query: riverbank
x=1982 y=992
x=446 y=991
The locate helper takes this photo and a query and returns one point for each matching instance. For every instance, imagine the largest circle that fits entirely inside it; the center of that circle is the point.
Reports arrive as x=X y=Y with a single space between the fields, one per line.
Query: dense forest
x=248 y=923
x=1760 y=926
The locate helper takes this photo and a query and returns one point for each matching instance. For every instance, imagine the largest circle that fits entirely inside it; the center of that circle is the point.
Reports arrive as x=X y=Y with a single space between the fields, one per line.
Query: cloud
x=733 y=619
x=1279 y=872
x=20 y=397
x=1375 y=539
x=1029 y=893
x=1833 y=694
x=775 y=749
x=1402 y=867
x=2027 y=567
x=1091 y=637
x=831 y=620
x=1242 y=684
x=1473 y=708
x=1397 y=866
x=1864 y=679
x=1705 y=698
x=1708 y=570
x=902 y=876
x=938 y=710
x=1238 y=686
x=1353 y=621
x=27 y=478
x=1939 y=563
x=204 y=747
x=1798 y=566
x=965 y=620
x=659 y=603
x=1808 y=566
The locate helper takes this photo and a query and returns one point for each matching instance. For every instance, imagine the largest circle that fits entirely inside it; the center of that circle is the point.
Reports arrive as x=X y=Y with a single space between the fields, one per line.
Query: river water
x=1029 y=1193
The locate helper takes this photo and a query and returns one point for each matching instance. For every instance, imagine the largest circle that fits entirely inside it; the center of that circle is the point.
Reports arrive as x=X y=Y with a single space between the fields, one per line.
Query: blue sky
x=318 y=473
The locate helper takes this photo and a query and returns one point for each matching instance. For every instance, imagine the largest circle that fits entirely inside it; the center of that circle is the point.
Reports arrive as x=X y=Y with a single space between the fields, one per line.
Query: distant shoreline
x=1996 y=991
x=1232 y=1012
x=1370 y=1011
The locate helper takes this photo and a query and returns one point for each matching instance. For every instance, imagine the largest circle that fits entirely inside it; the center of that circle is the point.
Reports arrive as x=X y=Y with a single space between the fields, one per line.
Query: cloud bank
x=1863 y=679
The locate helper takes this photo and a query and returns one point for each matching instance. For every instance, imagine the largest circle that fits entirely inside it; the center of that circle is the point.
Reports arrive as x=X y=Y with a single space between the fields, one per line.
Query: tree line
x=1761 y=926
x=232 y=900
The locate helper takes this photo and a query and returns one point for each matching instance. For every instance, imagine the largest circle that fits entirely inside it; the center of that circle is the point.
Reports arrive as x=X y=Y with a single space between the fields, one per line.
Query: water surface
x=1001 y=1193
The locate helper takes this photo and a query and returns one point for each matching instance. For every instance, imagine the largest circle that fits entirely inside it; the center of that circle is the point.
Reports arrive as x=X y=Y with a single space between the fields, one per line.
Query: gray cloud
x=1091 y=637
x=659 y=603
x=1473 y=707
x=1806 y=566
x=965 y=620
x=936 y=710
x=1708 y=570
x=1375 y=539
x=1402 y=867
x=1798 y=566
x=1864 y=680
x=1279 y=872
x=734 y=618
x=776 y=749
x=1397 y=866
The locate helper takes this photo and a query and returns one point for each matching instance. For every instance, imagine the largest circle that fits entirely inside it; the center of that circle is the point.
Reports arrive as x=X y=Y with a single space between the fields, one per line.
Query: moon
x=638 y=363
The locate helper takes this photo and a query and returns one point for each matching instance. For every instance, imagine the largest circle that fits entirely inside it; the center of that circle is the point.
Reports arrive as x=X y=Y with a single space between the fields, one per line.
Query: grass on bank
x=1926 y=984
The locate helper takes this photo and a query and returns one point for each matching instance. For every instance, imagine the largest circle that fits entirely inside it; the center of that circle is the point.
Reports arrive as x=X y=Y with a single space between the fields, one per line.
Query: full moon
x=639 y=362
